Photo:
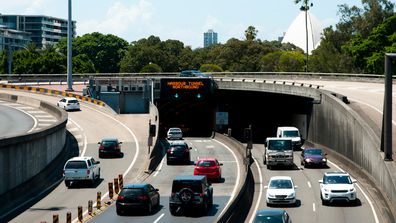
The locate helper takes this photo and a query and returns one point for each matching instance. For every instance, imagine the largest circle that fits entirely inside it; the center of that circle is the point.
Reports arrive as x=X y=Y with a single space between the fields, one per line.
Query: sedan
x=174 y=133
x=313 y=156
x=110 y=147
x=272 y=216
x=178 y=151
x=281 y=190
x=137 y=196
x=69 y=103
x=210 y=167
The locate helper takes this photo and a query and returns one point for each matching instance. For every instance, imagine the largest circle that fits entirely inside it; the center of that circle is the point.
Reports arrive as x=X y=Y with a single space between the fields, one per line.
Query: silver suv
x=337 y=186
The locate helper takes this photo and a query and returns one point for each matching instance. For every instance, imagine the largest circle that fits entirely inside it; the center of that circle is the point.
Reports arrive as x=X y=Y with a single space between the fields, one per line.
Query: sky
x=184 y=20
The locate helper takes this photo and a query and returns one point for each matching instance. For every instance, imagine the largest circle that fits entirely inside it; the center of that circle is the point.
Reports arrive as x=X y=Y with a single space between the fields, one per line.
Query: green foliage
x=3 y=62
x=283 y=61
x=210 y=68
x=251 y=33
x=151 y=68
x=82 y=64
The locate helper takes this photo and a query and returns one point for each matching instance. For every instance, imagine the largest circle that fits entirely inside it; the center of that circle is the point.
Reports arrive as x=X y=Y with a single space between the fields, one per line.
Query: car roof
x=288 y=128
x=207 y=159
x=282 y=138
x=309 y=148
x=70 y=98
x=270 y=212
x=336 y=173
x=280 y=178
x=190 y=177
x=80 y=158
x=130 y=186
x=109 y=139
x=177 y=142
x=175 y=128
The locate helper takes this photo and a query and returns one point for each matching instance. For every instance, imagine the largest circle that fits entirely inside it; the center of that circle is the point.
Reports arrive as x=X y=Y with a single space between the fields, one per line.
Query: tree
x=305 y=7
x=251 y=33
x=151 y=68
x=291 y=62
x=210 y=68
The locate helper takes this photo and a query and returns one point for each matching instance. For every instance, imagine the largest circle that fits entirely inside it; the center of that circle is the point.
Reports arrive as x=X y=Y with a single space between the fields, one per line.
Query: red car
x=209 y=167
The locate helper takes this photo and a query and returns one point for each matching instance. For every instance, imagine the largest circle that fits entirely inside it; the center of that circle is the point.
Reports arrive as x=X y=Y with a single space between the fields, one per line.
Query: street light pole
x=69 y=47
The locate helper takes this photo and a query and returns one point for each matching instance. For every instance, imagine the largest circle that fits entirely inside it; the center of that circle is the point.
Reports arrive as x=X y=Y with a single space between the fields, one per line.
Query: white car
x=281 y=190
x=174 y=133
x=337 y=186
x=69 y=103
x=81 y=169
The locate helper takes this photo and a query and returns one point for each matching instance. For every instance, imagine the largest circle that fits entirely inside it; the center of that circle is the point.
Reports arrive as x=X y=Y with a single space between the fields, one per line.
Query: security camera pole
x=69 y=48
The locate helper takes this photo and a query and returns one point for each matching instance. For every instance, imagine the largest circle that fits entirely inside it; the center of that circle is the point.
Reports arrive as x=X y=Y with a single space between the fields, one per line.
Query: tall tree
x=251 y=33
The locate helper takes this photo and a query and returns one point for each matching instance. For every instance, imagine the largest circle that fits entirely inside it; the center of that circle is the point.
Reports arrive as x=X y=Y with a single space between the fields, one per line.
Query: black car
x=110 y=147
x=190 y=192
x=178 y=152
x=137 y=196
x=272 y=216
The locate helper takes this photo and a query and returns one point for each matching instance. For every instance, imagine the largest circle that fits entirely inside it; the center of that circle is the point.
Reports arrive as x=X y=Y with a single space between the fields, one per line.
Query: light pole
x=305 y=7
x=69 y=47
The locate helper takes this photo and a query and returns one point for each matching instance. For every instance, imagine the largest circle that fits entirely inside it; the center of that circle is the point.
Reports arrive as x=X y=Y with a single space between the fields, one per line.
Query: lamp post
x=305 y=7
x=69 y=47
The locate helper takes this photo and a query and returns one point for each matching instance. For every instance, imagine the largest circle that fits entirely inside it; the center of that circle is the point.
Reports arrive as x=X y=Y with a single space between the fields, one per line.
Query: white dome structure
x=295 y=34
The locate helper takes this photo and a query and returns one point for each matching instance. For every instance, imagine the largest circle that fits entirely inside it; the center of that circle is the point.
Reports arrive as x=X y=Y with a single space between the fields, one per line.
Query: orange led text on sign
x=187 y=85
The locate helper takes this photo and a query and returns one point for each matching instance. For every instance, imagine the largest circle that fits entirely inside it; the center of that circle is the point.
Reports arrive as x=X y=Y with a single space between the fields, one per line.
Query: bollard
x=111 y=190
x=90 y=202
x=116 y=188
x=80 y=213
x=68 y=217
x=55 y=218
x=120 y=181
x=98 y=200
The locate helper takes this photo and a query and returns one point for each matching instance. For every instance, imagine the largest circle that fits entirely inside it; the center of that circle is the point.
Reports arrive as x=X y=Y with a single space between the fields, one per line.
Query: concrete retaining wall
x=23 y=156
x=337 y=126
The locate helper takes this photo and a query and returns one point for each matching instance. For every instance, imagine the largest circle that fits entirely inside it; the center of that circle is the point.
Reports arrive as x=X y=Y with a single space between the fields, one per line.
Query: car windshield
x=206 y=163
x=290 y=133
x=269 y=219
x=109 y=143
x=178 y=148
x=313 y=152
x=196 y=186
x=342 y=179
x=279 y=145
x=280 y=184
x=76 y=165
x=73 y=101
x=131 y=192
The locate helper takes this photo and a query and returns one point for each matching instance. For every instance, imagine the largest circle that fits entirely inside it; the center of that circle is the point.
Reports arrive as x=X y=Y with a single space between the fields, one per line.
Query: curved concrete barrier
x=22 y=157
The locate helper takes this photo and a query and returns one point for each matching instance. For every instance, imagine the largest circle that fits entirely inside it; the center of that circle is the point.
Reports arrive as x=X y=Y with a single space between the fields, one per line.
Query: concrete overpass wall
x=335 y=125
x=24 y=156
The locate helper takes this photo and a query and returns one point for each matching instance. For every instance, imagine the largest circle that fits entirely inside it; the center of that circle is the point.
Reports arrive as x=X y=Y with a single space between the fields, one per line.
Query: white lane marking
x=44 y=124
x=24 y=107
x=309 y=184
x=234 y=191
x=361 y=102
x=44 y=116
x=313 y=207
x=31 y=116
x=84 y=136
x=46 y=120
x=260 y=193
x=159 y=167
x=364 y=194
x=227 y=161
x=159 y=218
x=36 y=112
x=134 y=158
x=210 y=147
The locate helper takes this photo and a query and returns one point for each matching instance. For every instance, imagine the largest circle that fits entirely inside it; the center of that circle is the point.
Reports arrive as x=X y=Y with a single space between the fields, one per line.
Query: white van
x=292 y=133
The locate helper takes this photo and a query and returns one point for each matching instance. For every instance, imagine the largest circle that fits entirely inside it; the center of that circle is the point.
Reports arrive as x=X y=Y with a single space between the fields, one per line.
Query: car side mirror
x=190 y=148
x=325 y=154
x=265 y=144
x=99 y=143
x=295 y=186
x=156 y=189
x=120 y=142
x=265 y=187
x=97 y=162
x=221 y=164
x=320 y=181
x=354 y=181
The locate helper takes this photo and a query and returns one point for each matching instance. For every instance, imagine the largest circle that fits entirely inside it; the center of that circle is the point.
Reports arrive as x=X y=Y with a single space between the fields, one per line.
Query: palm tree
x=251 y=33
x=305 y=7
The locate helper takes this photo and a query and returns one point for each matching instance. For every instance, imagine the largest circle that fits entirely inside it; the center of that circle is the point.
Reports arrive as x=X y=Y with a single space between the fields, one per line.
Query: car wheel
x=119 y=212
x=268 y=166
x=98 y=177
x=323 y=201
x=158 y=203
x=186 y=195
x=67 y=183
x=204 y=209
x=173 y=210
x=265 y=161
x=149 y=208
x=168 y=162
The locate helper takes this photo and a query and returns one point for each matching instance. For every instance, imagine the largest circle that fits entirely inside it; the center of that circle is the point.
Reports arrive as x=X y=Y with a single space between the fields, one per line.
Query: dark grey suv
x=190 y=192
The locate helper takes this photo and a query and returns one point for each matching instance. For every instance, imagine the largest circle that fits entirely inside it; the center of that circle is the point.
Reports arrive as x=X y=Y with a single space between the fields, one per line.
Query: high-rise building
x=210 y=38
x=41 y=30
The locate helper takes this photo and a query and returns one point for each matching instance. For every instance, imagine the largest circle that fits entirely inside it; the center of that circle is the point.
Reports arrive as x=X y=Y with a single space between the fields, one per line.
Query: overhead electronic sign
x=177 y=88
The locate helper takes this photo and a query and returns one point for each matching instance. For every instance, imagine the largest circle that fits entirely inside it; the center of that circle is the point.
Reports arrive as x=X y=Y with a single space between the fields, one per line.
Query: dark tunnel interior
x=263 y=111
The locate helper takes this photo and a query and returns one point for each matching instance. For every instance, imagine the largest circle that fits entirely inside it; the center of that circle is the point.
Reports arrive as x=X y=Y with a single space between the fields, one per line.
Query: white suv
x=81 y=169
x=337 y=186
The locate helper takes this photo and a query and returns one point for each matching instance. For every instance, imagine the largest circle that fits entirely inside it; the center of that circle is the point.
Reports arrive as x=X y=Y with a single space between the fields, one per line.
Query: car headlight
x=324 y=159
x=270 y=195
x=325 y=189
x=352 y=189
x=307 y=160
x=291 y=195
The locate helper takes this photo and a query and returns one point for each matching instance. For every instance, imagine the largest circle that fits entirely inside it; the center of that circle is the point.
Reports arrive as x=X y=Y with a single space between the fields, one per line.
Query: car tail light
x=201 y=195
x=120 y=198
x=143 y=197
x=169 y=150
x=186 y=151
x=101 y=147
x=88 y=171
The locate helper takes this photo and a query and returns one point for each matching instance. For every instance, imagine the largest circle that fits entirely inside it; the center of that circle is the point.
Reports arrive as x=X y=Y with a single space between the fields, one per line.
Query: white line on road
x=361 y=102
x=84 y=136
x=31 y=116
x=260 y=193
x=313 y=207
x=364 y=194
x=309 y=184
x=159 y=167
x=159 y=218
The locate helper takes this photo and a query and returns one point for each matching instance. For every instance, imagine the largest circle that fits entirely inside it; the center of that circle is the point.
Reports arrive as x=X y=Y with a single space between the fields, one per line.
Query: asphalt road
x=162 y=179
